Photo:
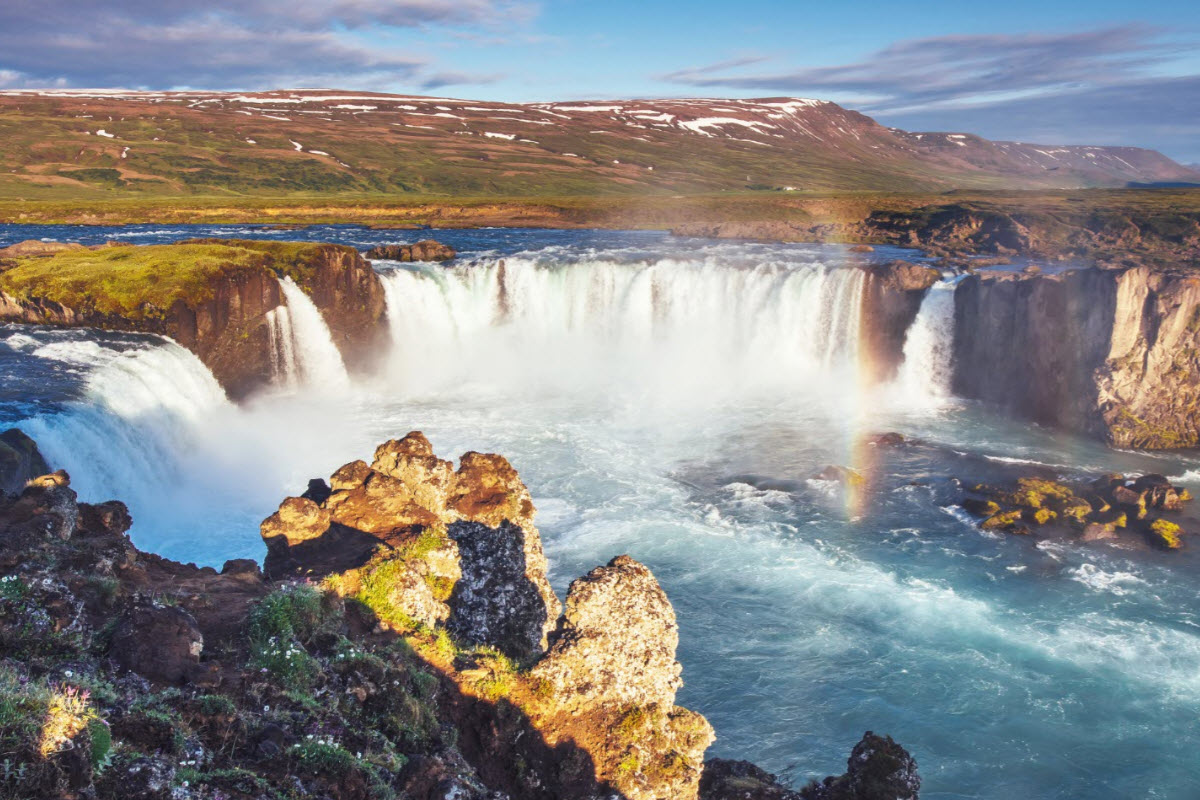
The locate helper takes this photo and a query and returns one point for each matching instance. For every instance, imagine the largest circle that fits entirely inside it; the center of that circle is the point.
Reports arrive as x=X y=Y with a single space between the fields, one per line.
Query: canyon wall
x=1113 y=354
x=223 y=318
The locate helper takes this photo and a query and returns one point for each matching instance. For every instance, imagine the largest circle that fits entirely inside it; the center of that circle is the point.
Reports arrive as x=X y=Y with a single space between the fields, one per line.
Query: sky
x=1065 y=72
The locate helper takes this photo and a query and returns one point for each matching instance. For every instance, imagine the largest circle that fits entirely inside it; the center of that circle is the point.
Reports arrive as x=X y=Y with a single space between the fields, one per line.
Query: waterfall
x=668 y=325
x=316 y=357
x=284 y=368
x=928 y=346
x=139 y=410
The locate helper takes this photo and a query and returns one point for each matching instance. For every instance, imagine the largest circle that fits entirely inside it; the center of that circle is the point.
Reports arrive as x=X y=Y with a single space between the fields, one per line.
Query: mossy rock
x=1043 y=516
x=980 y=508
x=1002 y=520
x=1076 y=508
x=1035 y=492
x=143 y=282
x=1166 y=534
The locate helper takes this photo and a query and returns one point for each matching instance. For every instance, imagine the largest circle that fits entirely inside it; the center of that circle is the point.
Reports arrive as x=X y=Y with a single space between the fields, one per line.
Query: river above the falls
x=675 y=399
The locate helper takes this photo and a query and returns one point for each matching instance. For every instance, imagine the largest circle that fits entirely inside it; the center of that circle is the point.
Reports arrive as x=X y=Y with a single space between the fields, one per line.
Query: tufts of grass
x=279 y=626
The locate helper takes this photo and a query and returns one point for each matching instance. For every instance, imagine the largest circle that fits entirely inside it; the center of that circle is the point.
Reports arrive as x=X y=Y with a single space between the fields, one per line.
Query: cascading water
x=284 y=369
x=668 y=326
x=927 y=368
x=140 y=409
x=319 y=361
x=801 y=625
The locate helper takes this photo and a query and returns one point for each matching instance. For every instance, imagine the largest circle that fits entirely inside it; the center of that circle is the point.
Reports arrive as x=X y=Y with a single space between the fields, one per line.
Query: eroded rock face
x=473 y=527
x=226 y=323
x=424 y=250
x=878 y=769
x=1149 y=384
x=891 y=300
x=1109 y=353
x=20 y=461
x=162 y=643
x=616 y=642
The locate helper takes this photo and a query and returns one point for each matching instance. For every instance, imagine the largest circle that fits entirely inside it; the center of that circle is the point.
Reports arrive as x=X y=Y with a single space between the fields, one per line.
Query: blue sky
x=1100 y=72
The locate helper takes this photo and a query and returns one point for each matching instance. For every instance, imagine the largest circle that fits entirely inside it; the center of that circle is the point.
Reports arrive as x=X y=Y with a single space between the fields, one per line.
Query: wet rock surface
x=1111 y=507
x=424 y=250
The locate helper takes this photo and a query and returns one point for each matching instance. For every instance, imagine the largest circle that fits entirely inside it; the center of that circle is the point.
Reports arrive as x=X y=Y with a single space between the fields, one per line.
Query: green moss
x=1036 y=492
x=1002 y=520
x=379 y=580
x=143 y=282
x=1043 y=516
x=1166 y=534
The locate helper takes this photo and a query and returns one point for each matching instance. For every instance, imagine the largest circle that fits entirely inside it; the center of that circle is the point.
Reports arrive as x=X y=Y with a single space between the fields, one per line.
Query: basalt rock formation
x=1109 y=353
x=126 y=675
x=1108 y=508
x=878 y=769
x=211 y=296
x=891 y=300
x=20 y=461
x=424 y=250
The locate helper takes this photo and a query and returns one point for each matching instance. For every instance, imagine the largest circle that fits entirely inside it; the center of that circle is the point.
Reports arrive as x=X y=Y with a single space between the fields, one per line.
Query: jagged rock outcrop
x=474 y=529
x=594 y=662
x=424 y=250
x=1110 y=507
x=222 y=319
x=344 y=689
x=724 y=779
x=878 y=769
x=162 y=643
x=890 y=302
x=20 y=461
x=1108 y=353
x=612 y=667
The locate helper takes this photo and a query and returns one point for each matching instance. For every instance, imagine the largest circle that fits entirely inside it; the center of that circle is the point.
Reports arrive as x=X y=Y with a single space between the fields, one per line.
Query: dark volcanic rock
x=497 y=601
x=20 y=461
x=162 y=643
x=878 y=769
x=740 y=780
x=891 y=299
x=424 y=250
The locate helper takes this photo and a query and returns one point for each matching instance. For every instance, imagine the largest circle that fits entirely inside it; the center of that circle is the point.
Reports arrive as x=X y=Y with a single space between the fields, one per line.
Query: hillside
x=71 y=143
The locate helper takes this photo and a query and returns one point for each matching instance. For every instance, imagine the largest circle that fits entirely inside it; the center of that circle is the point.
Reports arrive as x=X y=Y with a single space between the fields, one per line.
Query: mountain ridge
x=333 y=141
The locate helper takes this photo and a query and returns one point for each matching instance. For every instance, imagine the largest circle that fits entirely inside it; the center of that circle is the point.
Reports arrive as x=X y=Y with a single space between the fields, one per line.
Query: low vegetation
x=143 y=282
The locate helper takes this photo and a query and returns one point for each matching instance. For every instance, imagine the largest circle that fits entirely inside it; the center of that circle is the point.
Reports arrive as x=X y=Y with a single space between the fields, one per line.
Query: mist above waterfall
x=675 y=331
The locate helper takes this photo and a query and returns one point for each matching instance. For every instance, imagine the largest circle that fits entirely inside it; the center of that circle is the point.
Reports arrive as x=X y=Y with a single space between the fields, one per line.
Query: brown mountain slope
x=61 y=143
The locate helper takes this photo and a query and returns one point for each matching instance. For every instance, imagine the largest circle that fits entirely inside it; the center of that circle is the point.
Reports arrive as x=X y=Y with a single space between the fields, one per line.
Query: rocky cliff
x=892 y=298
x=211 y=296
x=1108 y=353
x=422 y=655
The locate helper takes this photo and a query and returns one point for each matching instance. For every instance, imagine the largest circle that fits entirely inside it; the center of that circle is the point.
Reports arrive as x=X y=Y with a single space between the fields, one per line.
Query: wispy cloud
x=1096 y=87
x=228 y=43
x=950 y=69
